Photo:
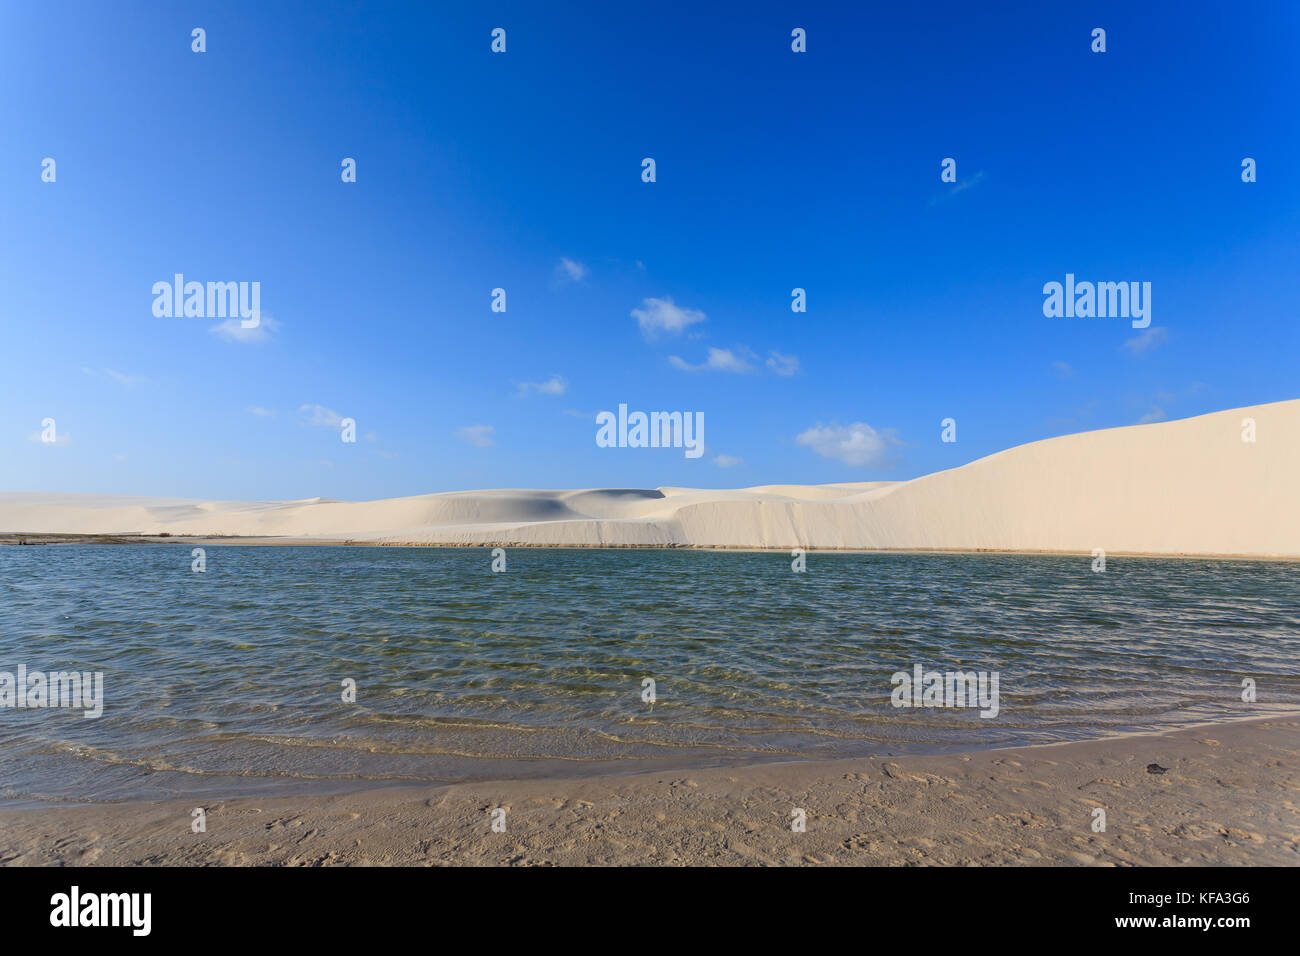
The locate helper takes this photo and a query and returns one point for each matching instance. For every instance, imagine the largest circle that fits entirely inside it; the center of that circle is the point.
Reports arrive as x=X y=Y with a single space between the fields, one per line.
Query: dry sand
x=1231 y=795
x=1185 y=487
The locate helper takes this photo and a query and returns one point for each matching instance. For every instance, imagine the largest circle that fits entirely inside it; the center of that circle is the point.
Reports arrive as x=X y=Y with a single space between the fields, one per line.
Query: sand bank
x=1229 y=796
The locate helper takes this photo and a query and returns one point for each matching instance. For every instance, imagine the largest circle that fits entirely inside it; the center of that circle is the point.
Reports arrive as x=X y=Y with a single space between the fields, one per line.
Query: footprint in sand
x=859 y=841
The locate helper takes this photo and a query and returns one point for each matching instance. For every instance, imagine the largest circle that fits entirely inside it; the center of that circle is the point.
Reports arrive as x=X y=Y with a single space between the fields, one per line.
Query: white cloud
x=739 y=360
x=719 y=360
x=480 y=436
x=1154 y=414
x=858 y=444
x=555 y=385
x=1063 y=369
x=1146 y=340
x=232 y=330
x=728 y=461
x=60 y=438
x=320 y=415
x=782 y=364
x=661 y=315
x=261 y=412
x=571 y=270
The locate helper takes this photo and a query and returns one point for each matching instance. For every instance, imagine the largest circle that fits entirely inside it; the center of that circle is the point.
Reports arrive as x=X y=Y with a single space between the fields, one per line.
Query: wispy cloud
x=663 y=316
x=480 y=436
x=122 y=378
x=261 y=412
x=570 y=270
x=958 y=188
x=1063 y=369
x=782 y=364
x=1146 y=340
x=858 y=444
x=728 y=461
x=320 y=415
x=719 y=360
x=232 y=330
x=1158 y=404
x=555 y=385
x=61 y=439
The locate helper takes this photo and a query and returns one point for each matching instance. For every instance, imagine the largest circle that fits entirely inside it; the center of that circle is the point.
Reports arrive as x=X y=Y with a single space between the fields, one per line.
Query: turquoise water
x=227 y=683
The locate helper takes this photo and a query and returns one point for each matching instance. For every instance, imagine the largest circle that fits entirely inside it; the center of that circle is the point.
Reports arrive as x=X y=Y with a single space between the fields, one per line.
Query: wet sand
x=1230 y=794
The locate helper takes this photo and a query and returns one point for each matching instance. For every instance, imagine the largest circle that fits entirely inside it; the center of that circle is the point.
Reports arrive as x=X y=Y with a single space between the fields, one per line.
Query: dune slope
x=1185 y=487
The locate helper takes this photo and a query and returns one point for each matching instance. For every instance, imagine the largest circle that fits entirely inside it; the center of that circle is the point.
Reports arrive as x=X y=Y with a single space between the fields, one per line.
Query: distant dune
x=1185 y=487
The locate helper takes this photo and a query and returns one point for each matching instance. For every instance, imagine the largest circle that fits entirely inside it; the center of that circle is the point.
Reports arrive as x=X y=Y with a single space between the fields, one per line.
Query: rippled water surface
x=227 y=683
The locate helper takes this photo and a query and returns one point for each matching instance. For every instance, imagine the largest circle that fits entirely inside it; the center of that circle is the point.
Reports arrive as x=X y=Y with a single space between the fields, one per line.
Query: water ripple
x=214 y=680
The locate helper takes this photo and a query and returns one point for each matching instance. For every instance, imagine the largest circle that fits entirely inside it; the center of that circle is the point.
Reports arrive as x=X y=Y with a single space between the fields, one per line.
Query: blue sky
x=775 y=170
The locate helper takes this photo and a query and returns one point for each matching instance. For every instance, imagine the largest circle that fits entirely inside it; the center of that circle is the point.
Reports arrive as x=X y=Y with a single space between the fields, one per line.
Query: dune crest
x=1184 y=487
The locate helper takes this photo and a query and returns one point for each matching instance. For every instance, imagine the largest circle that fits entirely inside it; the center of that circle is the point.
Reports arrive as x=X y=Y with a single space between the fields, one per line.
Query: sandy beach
x=1228 y=795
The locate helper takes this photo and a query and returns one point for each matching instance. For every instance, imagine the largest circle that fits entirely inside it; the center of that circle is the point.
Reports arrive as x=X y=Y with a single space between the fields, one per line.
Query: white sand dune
x=1185 y=487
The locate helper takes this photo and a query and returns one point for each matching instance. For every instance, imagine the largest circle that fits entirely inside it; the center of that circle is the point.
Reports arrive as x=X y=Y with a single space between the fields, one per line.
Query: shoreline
x=1227 y=796
x=17 y=538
